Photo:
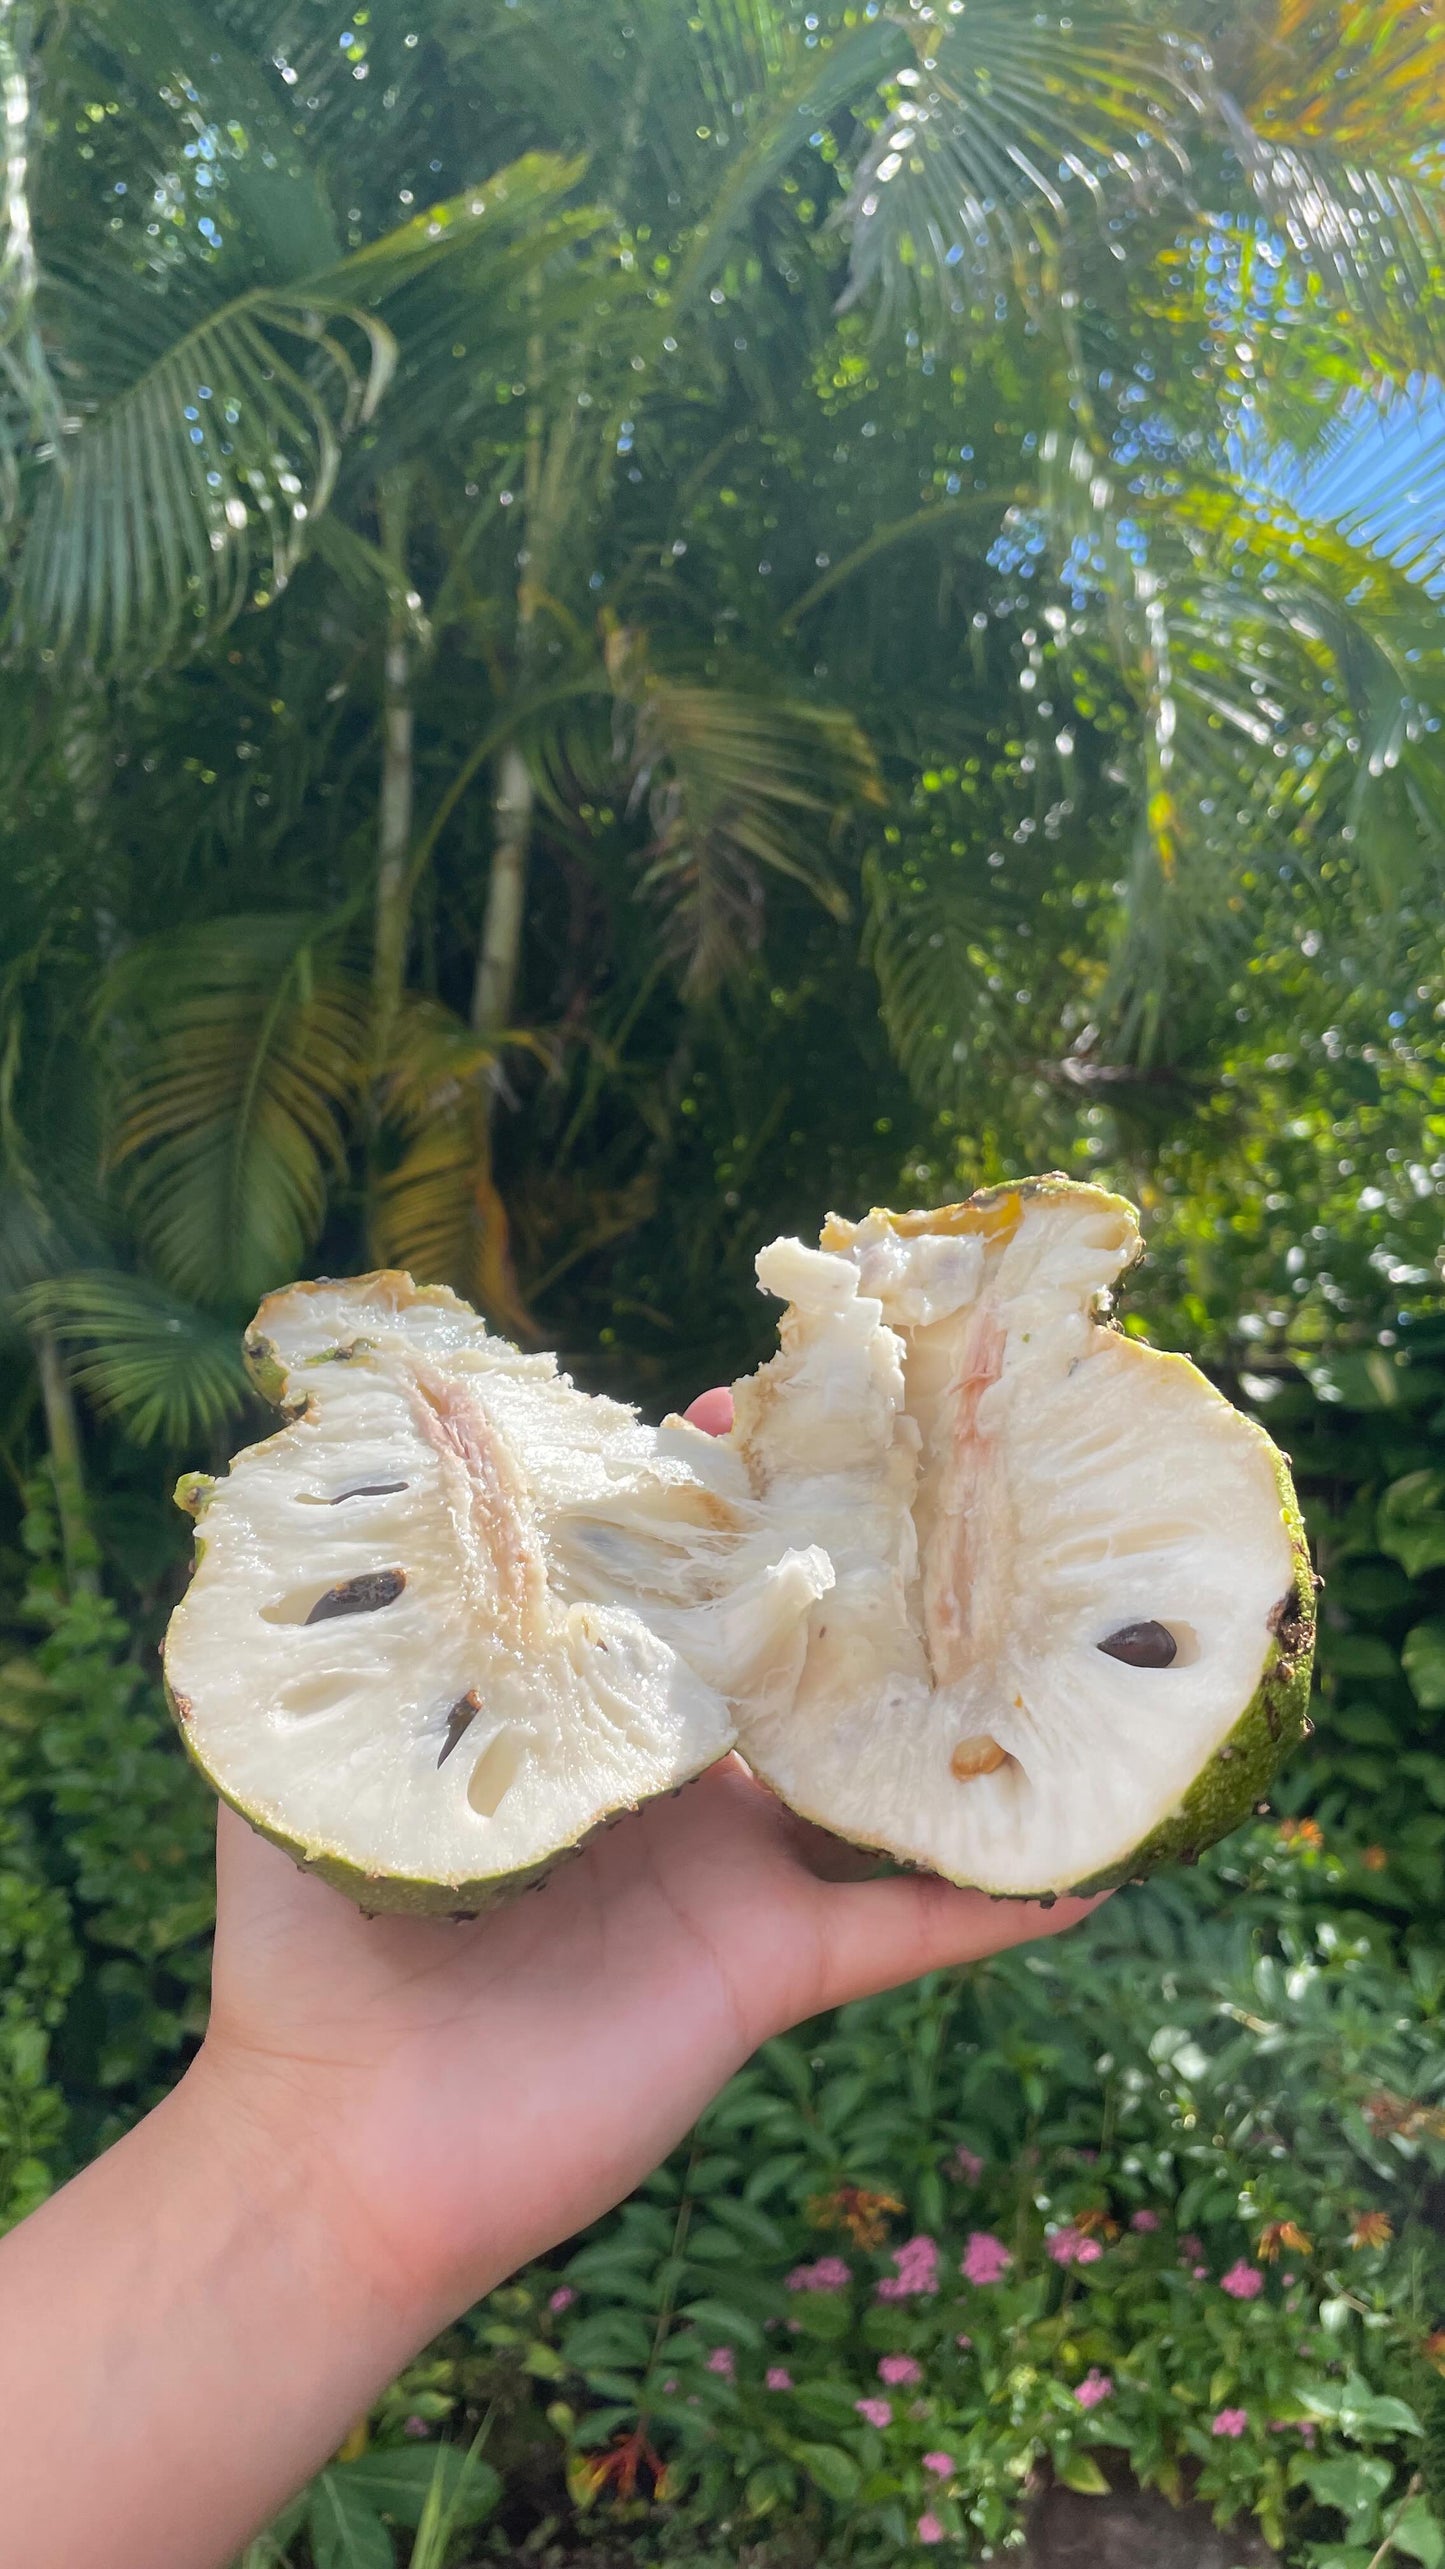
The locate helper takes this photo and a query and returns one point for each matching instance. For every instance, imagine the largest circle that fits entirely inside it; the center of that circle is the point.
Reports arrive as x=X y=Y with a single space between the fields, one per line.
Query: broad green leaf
x=1423 y=1658
x=345 y=2530
x=609 y=2337
x=723 y=2317
x=1080 y=2471
x=1412 y=1522
x=396 y=2482
x=1419 y=2535
x=835 y=2471
x=1353 y=2482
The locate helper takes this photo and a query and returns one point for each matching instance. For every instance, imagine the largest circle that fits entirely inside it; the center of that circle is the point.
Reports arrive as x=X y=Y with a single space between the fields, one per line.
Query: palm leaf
x=240 y=1048
x=165 y=1371
x=736 y=785
x=28 y=406
x=437 y=1211
x=1009 y=124
x=202 y=476
x=1366 y=80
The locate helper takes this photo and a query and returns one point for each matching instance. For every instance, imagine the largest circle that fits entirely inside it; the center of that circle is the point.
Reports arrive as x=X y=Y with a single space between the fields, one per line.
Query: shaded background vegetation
x=624 y=623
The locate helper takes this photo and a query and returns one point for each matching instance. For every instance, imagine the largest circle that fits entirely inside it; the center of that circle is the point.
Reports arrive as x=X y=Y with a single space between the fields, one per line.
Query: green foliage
x=106 y=1894
x=911 y=530
x=1183 y=2163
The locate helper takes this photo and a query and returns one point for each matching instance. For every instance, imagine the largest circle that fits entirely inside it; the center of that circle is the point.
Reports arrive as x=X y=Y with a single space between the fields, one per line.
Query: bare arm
x=388 y=2116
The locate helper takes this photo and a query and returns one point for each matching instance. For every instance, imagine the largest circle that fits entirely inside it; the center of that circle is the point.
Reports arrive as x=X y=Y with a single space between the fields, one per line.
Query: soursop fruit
x=975 y=1579
x=457 y=1613
x=1072 y=1612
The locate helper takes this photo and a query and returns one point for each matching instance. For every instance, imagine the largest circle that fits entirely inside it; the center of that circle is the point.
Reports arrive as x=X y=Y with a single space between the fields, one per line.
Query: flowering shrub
x=1160 y=2191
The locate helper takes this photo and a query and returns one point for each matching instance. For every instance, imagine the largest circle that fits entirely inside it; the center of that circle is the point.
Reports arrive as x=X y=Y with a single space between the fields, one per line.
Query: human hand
x=465 y=2094
x=386 y=2117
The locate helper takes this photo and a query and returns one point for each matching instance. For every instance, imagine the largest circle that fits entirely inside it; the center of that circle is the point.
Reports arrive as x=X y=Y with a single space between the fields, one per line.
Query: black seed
x=369 y=1490
x=461 y=1717
x=359 y=1596
x=1142 y=1645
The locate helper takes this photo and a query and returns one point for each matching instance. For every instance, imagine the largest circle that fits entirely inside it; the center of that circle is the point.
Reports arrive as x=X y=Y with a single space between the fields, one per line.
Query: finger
x=712 y=1412
x=876 y=1934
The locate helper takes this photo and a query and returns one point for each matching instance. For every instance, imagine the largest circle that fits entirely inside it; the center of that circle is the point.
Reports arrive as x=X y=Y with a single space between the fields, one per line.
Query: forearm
x=182 y=2344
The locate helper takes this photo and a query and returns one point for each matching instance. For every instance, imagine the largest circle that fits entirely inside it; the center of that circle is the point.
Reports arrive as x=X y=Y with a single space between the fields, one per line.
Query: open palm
x=477 y=2091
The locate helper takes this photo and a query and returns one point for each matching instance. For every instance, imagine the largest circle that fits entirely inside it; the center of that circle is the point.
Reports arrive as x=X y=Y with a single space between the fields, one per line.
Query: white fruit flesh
x=1001 y=1485
x=553 y=1604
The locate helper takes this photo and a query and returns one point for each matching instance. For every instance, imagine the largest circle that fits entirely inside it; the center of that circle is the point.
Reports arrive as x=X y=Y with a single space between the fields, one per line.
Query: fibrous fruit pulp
x=975 y=1579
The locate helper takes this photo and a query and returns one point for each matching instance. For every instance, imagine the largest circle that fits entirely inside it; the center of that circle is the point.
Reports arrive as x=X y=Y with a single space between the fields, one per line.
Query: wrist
x=274 y=2137
x=215 y=2337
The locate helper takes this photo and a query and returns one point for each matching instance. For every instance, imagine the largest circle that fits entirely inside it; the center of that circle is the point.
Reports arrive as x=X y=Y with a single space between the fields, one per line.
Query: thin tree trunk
x=67 y=1471
x=514 y=800
x=394 y=818
x=496 y=981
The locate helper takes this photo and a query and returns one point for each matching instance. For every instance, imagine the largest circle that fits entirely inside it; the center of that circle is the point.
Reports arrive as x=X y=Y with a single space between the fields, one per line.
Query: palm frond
x=438 y=1212
x=1265 y=704
x=168 y=1373
x=160 y=513
x=737 y=785
x=1366 y=80
x=1370 y=242
x=28 y=406
x=182 y=61
x=1010 y=123
x=240 y=1046
x=1377 y=474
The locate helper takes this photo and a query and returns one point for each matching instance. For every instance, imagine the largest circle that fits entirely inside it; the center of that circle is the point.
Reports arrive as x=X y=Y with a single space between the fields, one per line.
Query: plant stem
x=496 y=981
x=67 y=1471
x=394 y=819
x=512 y=804
x=1388 y=2545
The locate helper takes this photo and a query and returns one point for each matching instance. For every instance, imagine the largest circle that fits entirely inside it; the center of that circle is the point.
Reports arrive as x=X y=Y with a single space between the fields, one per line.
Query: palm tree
x=524 y=483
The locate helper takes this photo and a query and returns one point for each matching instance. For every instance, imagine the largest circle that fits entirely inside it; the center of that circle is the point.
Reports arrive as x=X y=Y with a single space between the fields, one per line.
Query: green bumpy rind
x=390 y=1894
x=1273 y=1722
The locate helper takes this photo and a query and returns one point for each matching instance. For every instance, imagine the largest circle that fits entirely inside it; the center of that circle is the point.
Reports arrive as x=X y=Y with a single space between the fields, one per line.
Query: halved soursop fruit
x=458 y=1613
x=1069 y=1632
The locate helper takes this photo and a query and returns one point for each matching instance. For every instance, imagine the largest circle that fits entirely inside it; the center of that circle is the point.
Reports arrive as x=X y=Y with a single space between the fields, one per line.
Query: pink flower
x=929 y=2529
x=1190 y=2247
x=1143 y=2220
x=917 y=2265
x=964 y=2342
x=1230 y=2421
x=875 y=2412
x=776 y=2379
x=562 y=2298
x=670 y=2385
x=1071 y=2247
x=1199 y=2273
x=897 y=2369
x=968 y=2164
x=1243 y=2282
x=828 y=2275
x=723 y=2360
x=416 y=2426
x=940 y=2464
x=1094 y=2387
x=985 y=2258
